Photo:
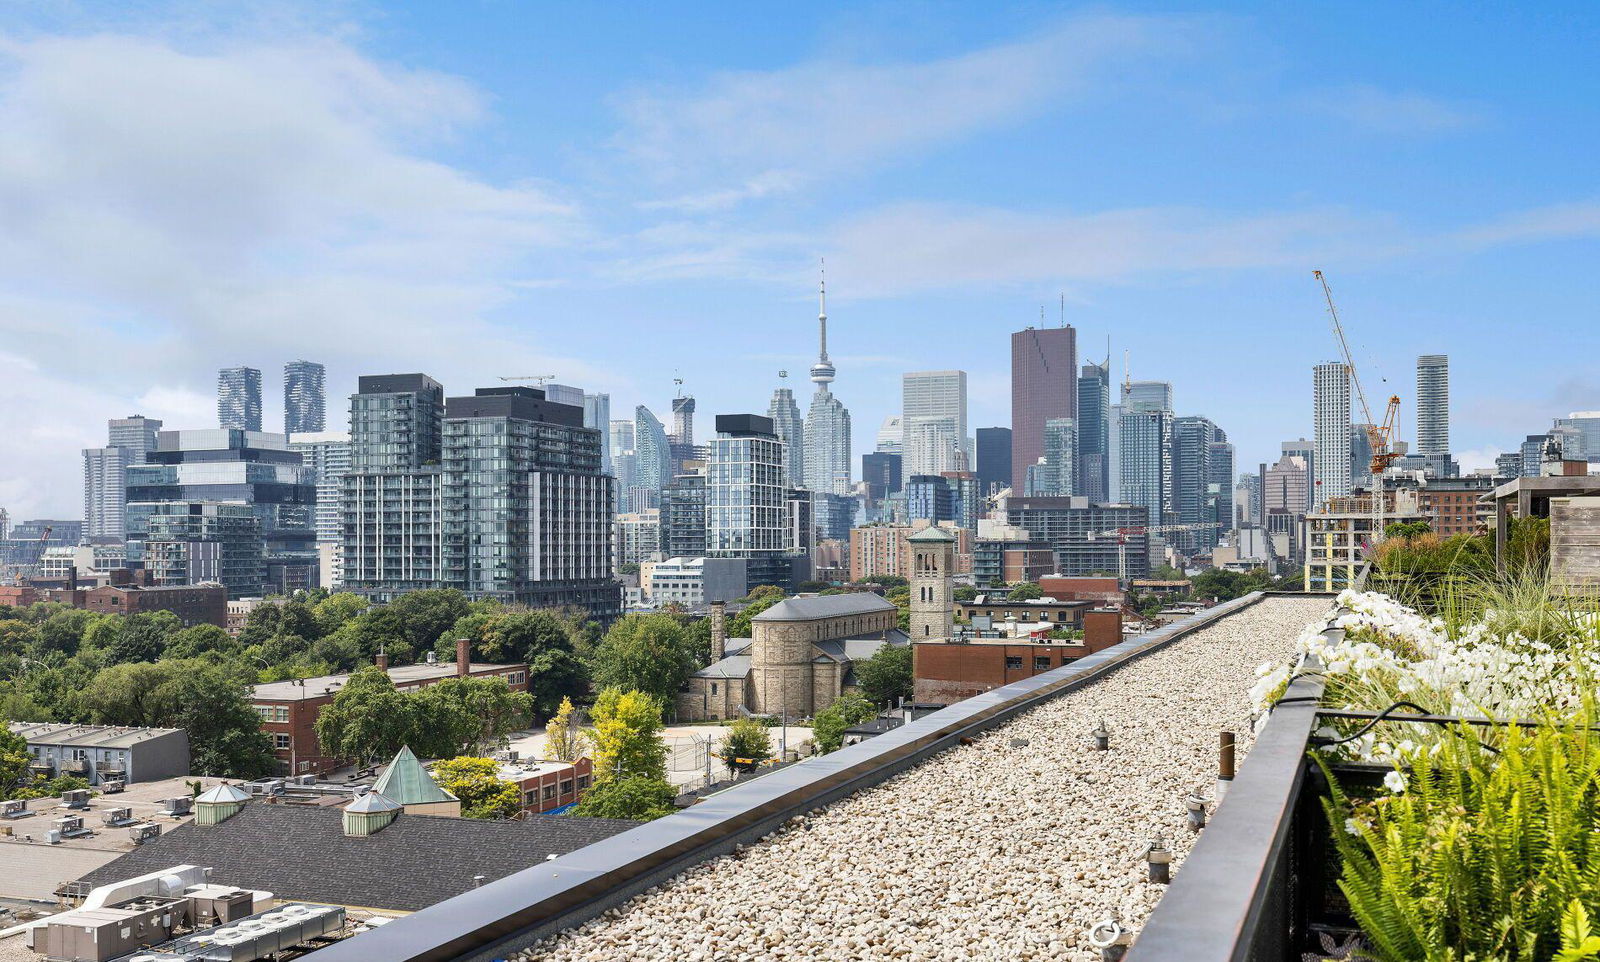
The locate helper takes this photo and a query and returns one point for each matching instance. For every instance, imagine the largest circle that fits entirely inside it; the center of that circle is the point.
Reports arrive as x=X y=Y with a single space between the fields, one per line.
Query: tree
x=544 y=641
x=1026 y=591
x=477 y=782
x=764 y=591
x=421 y=616
x=1166 y=573
x=647 y=653
x=901 y=598
x=367 y=720
x=886 y=676
x=636 y=797
x=829 y=725
x=1225 y=585
x=739 y=626
x=473 y=713
x=626 y=737
x=335 y=610
x=14 y=759
x=207 y=699
x=199 y=640
x=965 y=593
x=747 y=739
x=561 y=739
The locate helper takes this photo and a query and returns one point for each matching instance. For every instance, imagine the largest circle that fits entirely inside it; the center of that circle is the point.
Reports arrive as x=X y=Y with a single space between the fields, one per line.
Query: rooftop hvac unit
x=70 y=826
x=272 y=786
x=144 y=833
x=305 y=779
x=117 y=816
x=76 y=798
x=509 y=756
x=112 y=786
x=182 y=805
x=14 y=808
x=53 y=837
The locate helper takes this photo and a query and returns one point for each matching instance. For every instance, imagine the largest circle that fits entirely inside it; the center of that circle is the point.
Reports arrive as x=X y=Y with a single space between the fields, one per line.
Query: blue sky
x=624 y=194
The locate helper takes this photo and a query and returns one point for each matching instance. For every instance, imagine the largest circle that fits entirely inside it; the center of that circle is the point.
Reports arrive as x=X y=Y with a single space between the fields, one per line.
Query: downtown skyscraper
x=933 y=419
x=827 y=428
x=1330 y=385
x=1094 y=432
x=1433 y=404
x=791 y=430
x=1044 y=386
x=304 y=401
x=239 y=398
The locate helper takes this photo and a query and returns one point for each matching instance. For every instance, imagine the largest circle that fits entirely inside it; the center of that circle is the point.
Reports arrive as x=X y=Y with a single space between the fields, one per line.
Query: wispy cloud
x=751 y=134
x=1375 y=110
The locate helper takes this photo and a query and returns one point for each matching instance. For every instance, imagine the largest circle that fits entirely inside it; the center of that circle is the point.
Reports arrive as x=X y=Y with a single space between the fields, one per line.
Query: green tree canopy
x=626 y=738
x=198 y=640
x=828 y=727
x=367 y=720
x=14 y=759
x=749 y=740
x=647 y=653
x=1026 y=591
x=473 y=714
x=739 y=624
x=562 y=740
x=637 y=797
x=477 y=782
x=209 y=700
x=886 y=677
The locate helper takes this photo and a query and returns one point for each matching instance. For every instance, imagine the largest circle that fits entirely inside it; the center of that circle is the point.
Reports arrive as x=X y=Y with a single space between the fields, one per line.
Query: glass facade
x=683 y=517
x=239 y=398
x=745 y=511
x=194 y=542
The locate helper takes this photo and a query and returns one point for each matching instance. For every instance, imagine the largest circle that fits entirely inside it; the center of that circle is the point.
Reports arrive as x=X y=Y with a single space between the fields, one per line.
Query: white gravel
x=984 y=851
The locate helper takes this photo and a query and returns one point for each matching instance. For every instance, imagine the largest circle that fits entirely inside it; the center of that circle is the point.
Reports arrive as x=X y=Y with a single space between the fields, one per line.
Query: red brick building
x=944 y=673
x=289 y=709
x=193 y=604
x=1453 y=505
x=1098 y=590
x=549 y=785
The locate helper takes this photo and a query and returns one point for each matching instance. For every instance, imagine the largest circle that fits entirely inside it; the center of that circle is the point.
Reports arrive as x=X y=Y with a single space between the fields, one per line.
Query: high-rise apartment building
x=638 y=538
x=680 y=439
x=1331 y=429
x=933 y=419
x=1114 y=452
x=1058 y=475
x=189 y=542
x=527 y=511
x=326 y=455
x=652 y=451
x=1286 y=486
x=105 y=495
x=747 y=514
x=1044 y=385
x=1146 y=462
x=137 y=434
x=304 y=398
x=1433 y=404
x=683 y=517
x=994 y=459
x=791 y=430
x=1094 y=432
x=597 y=415
x=393 y=496
x=891 y=435
x=1196 y=498
x=239 y=398
x=930 y=498
x=563 y=394
x=827 y=428
x=881 y=472
x=1221 y=485
x=1076 y=531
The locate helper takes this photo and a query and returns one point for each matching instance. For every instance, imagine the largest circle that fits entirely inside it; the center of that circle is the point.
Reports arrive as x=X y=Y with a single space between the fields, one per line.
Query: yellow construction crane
x=1379 y=436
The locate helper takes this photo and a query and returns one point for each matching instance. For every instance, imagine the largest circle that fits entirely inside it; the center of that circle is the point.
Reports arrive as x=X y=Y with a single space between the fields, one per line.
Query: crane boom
x=1378 y=435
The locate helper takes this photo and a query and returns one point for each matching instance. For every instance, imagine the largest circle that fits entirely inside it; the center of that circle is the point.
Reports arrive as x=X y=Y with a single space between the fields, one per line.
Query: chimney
x=382 y=660
x=463 y=657
x=719 y=630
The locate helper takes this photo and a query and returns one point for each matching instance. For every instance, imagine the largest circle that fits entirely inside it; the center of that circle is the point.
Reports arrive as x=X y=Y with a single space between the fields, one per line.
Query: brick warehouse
x=946 y=672
x=289 y=709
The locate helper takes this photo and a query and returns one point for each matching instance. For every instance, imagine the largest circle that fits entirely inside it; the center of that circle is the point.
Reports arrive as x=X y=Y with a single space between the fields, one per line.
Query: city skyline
x=497 y=273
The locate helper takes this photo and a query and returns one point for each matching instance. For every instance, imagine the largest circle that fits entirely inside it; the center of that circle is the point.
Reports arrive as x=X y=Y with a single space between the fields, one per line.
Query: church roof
x=407 y=782
x=933 y=533
x=825 y=606
x=850 y=650
x=733 y=666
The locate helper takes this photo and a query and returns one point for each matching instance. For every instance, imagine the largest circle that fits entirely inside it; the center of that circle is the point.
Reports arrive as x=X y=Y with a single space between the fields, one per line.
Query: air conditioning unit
x=272 y=786
x=144 y=833
x=305 y=779
x=182 y=805
x=14 y=808
x=112 y=786
x=76 y=798
x=117 y=816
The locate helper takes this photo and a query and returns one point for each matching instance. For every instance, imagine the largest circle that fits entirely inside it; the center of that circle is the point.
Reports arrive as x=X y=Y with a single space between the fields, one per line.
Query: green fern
x=1484 y=855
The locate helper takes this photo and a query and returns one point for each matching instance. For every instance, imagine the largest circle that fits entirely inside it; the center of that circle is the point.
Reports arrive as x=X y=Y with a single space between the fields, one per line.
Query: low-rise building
x=1103 y=590
x=289 y=709
x=692 y=582
x=102 y=752
x=997 y=608
x=944 y=673
x=205 y=604
x=1340 y=535
x=546 y=785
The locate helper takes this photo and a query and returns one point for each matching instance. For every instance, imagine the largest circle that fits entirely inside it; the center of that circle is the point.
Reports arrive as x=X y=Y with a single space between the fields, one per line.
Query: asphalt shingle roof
x=302 y=853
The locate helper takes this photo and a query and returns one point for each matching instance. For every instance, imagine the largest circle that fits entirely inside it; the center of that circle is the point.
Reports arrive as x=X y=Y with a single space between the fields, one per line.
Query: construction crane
x=1379 y=435
x=30 y=565
x=541 y=378
x=1121 y=534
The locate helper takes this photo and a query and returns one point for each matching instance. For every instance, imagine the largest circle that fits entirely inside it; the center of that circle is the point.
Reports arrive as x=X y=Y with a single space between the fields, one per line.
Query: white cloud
x=767 y=132
x=172 y=208
x=1376 y=110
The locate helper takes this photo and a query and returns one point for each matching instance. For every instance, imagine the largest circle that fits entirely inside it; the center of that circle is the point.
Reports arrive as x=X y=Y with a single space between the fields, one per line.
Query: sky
x=621 y=195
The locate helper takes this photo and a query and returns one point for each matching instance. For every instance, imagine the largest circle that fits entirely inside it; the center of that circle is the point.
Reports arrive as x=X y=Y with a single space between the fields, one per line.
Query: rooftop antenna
x=1127 y=379
x=1063 y=308
x=1108 y=353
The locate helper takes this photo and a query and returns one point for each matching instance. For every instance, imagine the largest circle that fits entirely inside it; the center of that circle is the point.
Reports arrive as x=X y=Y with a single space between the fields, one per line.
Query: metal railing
x=516 y=911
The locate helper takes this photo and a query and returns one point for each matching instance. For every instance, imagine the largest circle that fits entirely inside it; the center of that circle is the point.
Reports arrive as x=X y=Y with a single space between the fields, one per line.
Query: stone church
x=799 y=659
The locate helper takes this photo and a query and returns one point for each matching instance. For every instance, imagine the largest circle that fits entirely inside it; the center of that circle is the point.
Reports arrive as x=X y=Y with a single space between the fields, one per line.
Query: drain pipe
x=1111 y=939
x=1160 y=859
x=1225 y=763
x=1102 y=737
x=1196 y=804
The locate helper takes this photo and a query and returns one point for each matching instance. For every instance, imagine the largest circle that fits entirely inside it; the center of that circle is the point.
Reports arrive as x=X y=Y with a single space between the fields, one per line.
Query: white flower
x=1352 y=826
x=1394 y=782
